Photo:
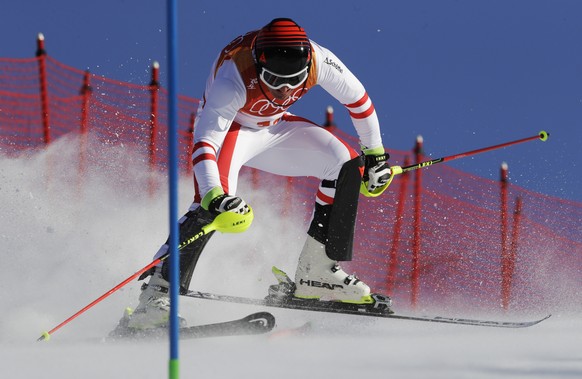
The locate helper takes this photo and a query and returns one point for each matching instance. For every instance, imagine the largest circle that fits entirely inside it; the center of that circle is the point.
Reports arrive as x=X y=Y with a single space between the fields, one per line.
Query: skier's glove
x=216 y=202
x=377 y=174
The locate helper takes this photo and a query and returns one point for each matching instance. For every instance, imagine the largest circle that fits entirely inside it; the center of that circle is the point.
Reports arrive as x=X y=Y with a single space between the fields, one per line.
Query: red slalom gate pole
x=396 y=170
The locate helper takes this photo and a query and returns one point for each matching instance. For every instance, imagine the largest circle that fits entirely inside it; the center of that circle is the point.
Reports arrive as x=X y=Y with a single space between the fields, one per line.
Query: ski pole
x=226 y=222
x=396 y=170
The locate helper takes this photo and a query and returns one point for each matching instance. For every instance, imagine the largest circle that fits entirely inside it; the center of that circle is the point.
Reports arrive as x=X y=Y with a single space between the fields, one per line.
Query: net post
x=505 y=260
x=85 y=92
x=514 y=244
x=154 y=88
x=418 y=153
x=397 y=231
x=190 y=146
x=329 y=122
x=41 y=55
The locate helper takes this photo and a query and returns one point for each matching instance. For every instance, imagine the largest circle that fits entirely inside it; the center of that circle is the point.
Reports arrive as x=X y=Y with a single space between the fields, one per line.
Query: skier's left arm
x=342 y=84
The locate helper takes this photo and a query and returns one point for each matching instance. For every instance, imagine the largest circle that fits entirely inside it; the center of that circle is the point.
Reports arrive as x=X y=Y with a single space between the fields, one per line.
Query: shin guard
x=334 y=225
x=190 y=225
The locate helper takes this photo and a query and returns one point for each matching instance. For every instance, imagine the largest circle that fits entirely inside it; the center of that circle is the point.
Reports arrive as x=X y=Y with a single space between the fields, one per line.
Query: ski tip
x=44 y=337
x=277 y=271
x=265 y=320
x=532 y=323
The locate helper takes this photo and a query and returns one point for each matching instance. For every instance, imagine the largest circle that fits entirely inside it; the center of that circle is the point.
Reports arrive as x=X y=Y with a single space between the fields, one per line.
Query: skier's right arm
x=224 y=96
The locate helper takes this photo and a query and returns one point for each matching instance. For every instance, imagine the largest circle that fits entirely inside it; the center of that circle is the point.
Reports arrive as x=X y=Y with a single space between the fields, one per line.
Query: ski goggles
x=276 y=81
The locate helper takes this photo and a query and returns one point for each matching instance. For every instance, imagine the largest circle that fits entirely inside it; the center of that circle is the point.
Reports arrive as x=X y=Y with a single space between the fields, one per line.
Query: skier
x=244 y=120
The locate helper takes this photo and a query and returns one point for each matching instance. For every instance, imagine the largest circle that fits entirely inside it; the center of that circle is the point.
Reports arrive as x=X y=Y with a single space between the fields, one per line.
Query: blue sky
x=463 y=74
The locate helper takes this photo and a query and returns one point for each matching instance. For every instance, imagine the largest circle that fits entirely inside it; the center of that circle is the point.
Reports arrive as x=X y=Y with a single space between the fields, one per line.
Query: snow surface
x=68 y=240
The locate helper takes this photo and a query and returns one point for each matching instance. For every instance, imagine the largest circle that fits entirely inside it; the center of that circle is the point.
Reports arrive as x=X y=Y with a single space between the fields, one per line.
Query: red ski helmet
x=282 y=54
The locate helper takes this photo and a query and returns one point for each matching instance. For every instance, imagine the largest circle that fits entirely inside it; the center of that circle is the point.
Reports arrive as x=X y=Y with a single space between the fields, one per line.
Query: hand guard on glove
x=216 y=201
x=377 y=170
x=228 y=203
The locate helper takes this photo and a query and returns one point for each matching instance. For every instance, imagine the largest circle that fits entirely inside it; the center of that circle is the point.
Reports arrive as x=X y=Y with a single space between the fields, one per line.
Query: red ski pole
x=227 y=222
x=399 y=170
x=46 y=335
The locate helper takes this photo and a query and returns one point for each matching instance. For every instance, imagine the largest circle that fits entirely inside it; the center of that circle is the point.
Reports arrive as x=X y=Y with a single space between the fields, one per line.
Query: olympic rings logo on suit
x=265 y=107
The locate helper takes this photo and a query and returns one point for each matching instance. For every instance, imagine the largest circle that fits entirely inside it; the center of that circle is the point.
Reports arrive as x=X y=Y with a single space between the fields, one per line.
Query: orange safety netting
x=454 y=239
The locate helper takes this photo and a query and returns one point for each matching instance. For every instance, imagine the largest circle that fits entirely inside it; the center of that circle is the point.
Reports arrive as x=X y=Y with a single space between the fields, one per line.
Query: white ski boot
x=319 y=277
x=153 y=310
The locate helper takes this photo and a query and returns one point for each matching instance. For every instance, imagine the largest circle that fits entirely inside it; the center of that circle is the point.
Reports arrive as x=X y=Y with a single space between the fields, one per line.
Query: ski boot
x=153 y=310
x=282 y=295
x=321 y=278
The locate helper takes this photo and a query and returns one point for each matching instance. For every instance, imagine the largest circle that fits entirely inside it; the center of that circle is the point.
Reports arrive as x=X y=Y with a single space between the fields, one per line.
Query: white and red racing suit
x=239 y=123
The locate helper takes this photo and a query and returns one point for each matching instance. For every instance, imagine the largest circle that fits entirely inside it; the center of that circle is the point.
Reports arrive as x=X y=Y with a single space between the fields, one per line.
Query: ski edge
x=472 y=322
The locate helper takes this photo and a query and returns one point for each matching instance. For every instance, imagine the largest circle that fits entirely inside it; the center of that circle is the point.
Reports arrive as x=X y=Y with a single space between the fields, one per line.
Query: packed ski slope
x=67 y=240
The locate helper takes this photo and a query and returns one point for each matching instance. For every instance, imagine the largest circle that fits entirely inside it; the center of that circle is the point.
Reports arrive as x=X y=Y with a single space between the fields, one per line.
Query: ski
x=281 y=296
x=359 y=310
x=256 y=323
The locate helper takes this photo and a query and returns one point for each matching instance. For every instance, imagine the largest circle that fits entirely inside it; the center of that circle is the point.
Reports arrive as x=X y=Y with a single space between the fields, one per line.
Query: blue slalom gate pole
x=172 y=21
